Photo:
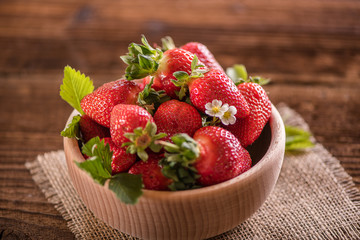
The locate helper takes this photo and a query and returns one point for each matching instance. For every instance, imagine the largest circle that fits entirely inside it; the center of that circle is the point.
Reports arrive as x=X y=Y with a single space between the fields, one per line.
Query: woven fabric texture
x=314 y=198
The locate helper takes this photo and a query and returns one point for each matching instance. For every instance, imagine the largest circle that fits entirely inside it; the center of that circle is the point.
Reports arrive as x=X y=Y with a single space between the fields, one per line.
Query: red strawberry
x=144 y=60
x=89 y=129
x=133 y=127
x=152 y=176
x=124 y=119
x=203 y=53
x=177 y=117
x=212 y=156
x=221 y=156
x=99 y=103
x=215 y=84
x=156 y=84
x=248 y=129
x=173 y=60
x=121 y=161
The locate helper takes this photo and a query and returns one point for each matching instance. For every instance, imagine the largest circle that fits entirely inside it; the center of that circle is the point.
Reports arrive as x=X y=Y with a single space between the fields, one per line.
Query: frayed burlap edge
x=42 y=180
x=346 y=182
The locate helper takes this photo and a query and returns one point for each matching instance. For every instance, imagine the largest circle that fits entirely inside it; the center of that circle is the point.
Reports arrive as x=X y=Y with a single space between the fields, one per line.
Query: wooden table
x=309 y=48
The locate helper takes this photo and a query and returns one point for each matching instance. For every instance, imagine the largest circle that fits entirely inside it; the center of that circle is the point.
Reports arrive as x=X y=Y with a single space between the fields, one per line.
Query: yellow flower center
x=215 y=109
x=227 y=114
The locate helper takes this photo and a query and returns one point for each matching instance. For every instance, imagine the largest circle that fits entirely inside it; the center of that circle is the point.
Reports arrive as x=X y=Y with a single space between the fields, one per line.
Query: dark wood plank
x=309 y=48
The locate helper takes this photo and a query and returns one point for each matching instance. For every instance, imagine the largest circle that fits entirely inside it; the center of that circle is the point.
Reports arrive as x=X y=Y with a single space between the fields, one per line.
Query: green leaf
x=75 y=86
x=72 y=130
x=297 y=139
x=96 y=169
x=97 y=149
x=127 y=187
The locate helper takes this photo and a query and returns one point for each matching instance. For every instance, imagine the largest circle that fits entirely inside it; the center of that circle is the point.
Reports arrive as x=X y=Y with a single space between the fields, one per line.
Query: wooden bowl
x=191 y=214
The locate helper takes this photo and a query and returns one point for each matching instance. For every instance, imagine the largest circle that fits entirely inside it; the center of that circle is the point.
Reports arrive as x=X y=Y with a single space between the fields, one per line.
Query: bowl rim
x=276 y=137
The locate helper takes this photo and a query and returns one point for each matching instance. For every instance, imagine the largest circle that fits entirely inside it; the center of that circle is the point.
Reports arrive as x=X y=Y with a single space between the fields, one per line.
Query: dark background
x=309 y=48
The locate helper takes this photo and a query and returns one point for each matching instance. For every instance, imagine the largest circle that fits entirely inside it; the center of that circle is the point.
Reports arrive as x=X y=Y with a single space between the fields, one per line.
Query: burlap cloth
x=314 y=198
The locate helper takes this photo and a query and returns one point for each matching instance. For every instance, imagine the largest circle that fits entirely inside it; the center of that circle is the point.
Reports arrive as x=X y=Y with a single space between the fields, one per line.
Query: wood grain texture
x=187 y=214
x=309 y=48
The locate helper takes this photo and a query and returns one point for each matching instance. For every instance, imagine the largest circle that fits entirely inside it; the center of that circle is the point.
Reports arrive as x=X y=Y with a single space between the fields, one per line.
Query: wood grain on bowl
x=191 y=214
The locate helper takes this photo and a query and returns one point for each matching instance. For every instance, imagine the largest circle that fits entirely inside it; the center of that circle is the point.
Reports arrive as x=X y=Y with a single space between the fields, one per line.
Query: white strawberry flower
x=228 y=116
x=215 y=108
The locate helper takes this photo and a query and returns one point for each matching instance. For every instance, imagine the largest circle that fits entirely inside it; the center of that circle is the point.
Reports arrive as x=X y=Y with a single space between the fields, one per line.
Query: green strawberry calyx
x=239 y=75
x=142 y=60
x=167 y=43
x=178 y=162
x=150 y=99
x=127 y=187
x=183 y=78
x=143 y=138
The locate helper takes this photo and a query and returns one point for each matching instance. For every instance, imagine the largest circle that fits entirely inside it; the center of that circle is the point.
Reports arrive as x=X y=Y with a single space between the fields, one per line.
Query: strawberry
x=248 y=129
x=203 y=53
x=212 y=156
x=144 y=60
x=221 y=156
x=156 y=84
x=133 y=127
x=99 y=103
x=121 y=160
x=151 y=174
x=215 y=84
x=177 y=117
x=89 y=129
x=174 y=60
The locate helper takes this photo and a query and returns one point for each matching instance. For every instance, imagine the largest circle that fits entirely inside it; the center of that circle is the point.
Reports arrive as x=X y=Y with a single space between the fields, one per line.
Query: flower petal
x=225 y=121
x=232 y=120
x=216 y=103
x=224 y=107
x=209 y=112
x=208 y=106
x=232 y=110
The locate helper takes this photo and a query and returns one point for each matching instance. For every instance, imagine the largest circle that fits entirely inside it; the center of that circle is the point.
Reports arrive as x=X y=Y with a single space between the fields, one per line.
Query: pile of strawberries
x=176 y=117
